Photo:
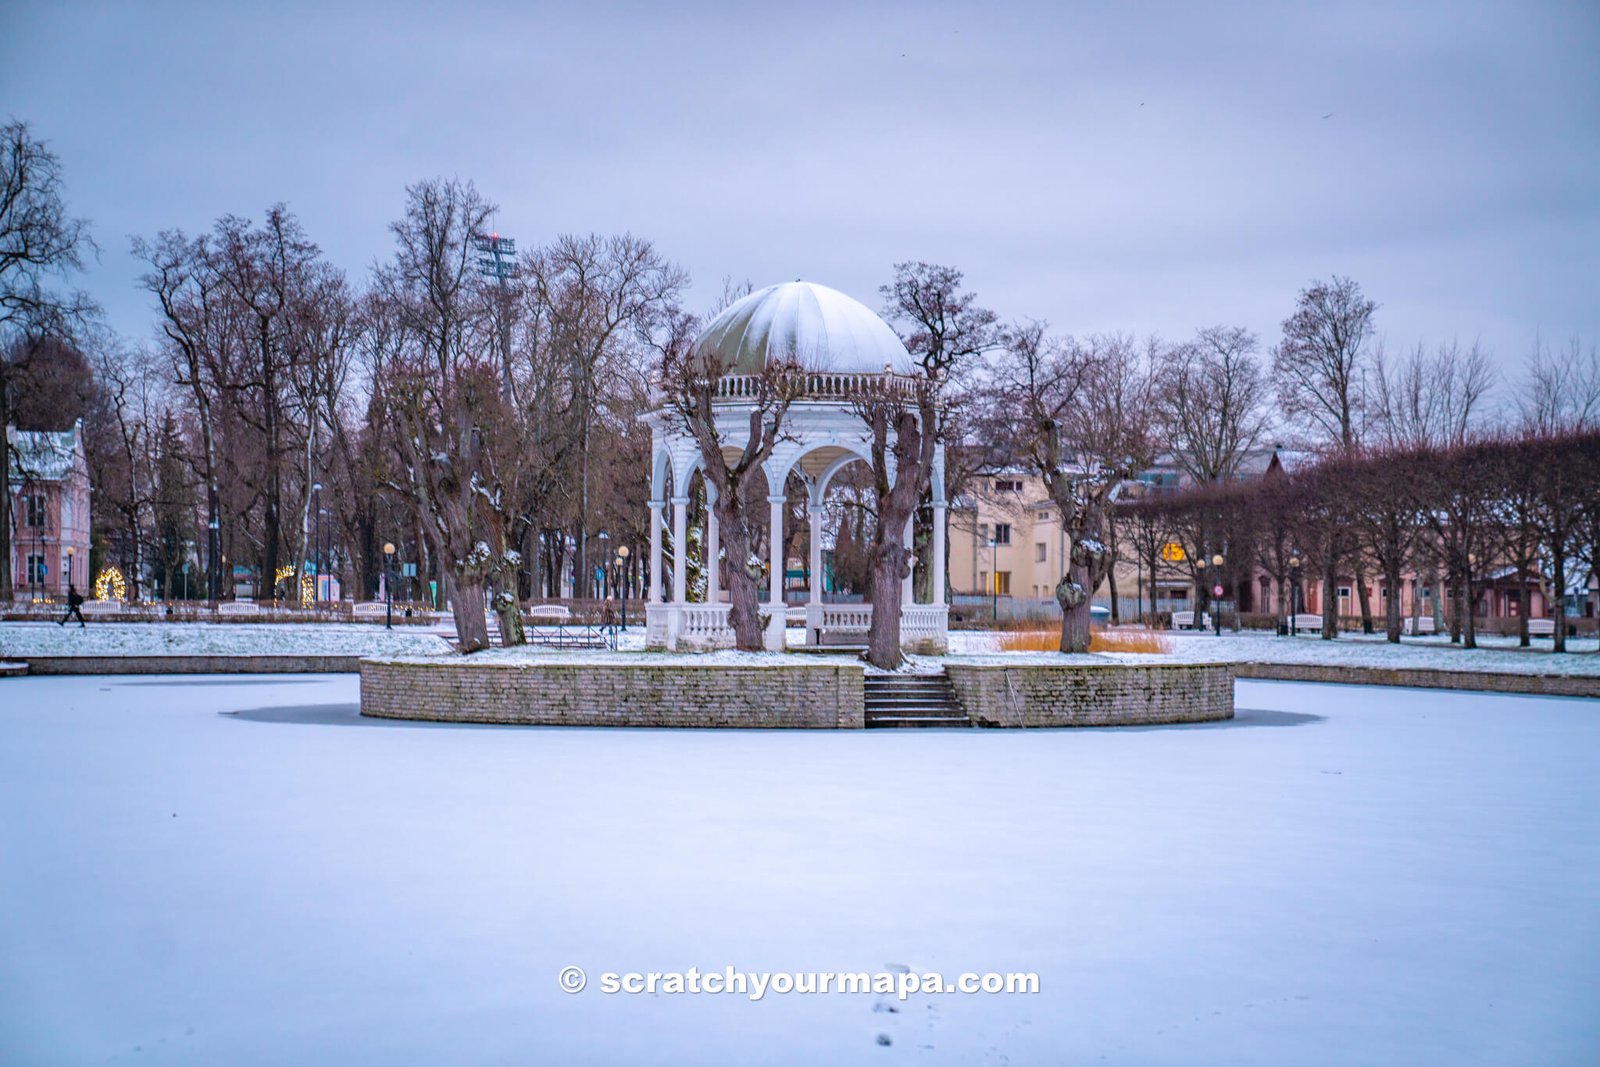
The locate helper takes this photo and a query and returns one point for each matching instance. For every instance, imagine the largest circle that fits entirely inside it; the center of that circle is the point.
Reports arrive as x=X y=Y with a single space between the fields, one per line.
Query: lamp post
x=1294 y=593
x=1216 y=593
x=69 y=566
x=994 y=579
x=622 y=582
x=388 y=584
x=605 y=558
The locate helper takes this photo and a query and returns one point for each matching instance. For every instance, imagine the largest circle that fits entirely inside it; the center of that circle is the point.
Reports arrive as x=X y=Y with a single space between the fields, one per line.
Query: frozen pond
x=1339 y=875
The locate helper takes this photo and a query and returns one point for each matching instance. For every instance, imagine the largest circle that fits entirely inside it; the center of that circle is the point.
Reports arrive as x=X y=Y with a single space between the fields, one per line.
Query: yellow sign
x=1172 y=552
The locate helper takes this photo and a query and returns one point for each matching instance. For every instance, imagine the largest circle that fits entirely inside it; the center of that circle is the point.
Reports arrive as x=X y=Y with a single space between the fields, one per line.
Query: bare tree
x=444 y=393
x=1048 y=386
x=192 y=316
x=1438 y=399
x=1319 y=365
x=1214 y=401
x=40 y=243
x=947 y=332
x=903 y=432
x=1561 y=392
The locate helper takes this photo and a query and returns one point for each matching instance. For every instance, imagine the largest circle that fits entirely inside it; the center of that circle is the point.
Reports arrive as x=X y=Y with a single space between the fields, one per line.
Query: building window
x=983 y=580
x=35 y=570
x=1002 y=582
x=1007 y=486
x=1002 y=533
x=1040 y=552
x=35 y=510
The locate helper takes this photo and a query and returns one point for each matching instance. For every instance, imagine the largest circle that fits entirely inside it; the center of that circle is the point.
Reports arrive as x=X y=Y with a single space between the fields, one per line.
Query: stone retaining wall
x=798 y=695
x=1099 y=695
x=191 y=664
x=1426 y=678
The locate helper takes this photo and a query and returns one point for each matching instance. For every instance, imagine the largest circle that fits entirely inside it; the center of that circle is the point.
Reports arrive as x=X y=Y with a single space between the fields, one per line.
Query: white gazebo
x=841 y=347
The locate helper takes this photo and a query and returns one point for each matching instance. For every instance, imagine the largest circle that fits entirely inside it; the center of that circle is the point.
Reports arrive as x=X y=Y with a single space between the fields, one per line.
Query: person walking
x=74 y=603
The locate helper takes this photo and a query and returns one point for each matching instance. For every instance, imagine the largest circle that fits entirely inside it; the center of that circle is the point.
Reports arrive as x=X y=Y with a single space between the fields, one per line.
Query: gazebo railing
x=817 y=385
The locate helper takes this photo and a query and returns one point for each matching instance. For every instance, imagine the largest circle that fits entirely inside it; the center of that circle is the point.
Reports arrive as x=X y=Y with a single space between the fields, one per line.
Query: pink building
x=49 y=512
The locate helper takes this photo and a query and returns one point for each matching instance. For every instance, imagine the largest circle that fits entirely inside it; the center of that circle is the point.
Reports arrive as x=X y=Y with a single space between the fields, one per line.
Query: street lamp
x=622 y=582
x=1216 y=593
x=994 y=579
x=1294 y=594
x=605 y=555
x=388 y=584
x=69 y=566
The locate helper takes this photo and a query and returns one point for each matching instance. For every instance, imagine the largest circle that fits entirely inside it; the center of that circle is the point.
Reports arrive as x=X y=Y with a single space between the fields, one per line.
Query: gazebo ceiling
x=820 y=328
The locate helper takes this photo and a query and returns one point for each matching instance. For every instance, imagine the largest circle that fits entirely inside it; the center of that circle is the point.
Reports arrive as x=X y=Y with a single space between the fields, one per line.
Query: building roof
x=820 y=328
x=43 y=455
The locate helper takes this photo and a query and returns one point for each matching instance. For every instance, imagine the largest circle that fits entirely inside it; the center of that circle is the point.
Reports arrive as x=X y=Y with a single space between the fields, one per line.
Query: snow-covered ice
x=239 y=870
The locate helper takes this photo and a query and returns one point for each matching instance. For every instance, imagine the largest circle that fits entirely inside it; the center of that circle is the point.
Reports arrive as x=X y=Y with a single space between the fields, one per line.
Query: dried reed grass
x=1122 y=639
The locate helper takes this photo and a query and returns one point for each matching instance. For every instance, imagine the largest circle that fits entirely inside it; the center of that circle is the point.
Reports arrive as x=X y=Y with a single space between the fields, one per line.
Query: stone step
x=961 y=722
x=12 y=669
x=899 y=700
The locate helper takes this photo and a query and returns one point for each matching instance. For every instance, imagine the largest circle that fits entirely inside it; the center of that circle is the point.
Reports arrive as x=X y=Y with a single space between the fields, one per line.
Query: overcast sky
x=1111 y=166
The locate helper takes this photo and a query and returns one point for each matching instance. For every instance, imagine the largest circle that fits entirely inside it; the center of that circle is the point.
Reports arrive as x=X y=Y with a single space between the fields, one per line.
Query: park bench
x=370 y=609
x=1542 y=628
x=1308 y=622
x=1421 y=625
x=1184 y=620
x=557 y=613
x=238 y=607
x=103 y=607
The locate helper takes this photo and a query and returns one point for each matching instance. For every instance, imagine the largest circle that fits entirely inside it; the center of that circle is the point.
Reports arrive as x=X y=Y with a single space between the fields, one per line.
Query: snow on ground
x=19 y=639
x=1499 y=654
x=240 y=870
x=214 y=639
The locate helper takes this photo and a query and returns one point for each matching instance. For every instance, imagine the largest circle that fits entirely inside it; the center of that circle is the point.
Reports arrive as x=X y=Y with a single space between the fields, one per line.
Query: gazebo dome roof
x=820 y=328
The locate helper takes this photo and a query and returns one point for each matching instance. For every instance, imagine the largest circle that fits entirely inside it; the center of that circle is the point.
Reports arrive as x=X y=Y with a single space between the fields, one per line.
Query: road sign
x=1216 y=590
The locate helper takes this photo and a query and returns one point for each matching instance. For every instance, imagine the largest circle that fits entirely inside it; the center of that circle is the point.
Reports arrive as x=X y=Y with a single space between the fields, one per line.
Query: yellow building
x=1006 y=542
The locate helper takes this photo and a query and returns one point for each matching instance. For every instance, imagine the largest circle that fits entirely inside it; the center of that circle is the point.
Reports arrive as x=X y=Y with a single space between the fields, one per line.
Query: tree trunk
x=466 y=606
x=1558 y=573
x=508 y=609
x=744 y=602
x=1471 y=637
x=1523 y=640
x=889 y=568
x=1111 y=580
x=1074 y=609
x=1363 y=599
x=1330 y=598
x=1391 y=575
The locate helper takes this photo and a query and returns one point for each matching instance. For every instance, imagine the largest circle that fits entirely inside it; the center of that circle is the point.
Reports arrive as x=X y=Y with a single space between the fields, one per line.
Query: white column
x=775 y=552
x=907 y=588
x=779 y=620
x=816 y=553
x=655 y=550
x=938 y=551
x=713 y=550
x=680 y=549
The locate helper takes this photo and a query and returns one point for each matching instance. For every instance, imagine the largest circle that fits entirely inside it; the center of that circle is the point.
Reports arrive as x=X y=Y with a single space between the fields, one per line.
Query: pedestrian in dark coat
x=74 y=602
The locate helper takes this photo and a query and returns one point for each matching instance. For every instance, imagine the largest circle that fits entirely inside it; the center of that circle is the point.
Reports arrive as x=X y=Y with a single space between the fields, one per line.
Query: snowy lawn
x=1497 y=654
x=1340 y=875
x=214 y=639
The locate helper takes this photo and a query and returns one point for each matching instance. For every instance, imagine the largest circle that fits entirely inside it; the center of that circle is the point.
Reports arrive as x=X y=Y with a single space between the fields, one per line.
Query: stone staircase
x=912 y=700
